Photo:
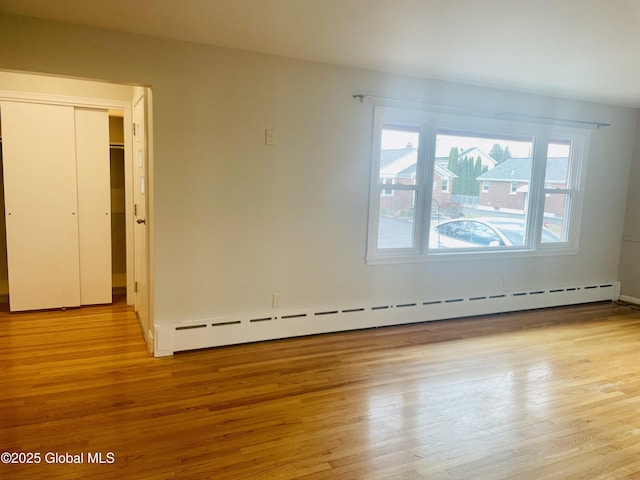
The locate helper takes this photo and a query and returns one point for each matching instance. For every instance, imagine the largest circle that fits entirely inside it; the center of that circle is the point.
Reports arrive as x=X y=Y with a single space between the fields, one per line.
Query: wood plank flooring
x=549 y=394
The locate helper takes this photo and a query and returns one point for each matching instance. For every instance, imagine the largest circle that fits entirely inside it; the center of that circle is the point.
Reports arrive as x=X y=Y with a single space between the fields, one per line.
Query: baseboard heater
x=283 y=323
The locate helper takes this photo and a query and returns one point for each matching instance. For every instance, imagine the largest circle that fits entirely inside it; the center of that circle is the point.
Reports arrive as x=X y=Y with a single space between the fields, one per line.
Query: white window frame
x=428 y=123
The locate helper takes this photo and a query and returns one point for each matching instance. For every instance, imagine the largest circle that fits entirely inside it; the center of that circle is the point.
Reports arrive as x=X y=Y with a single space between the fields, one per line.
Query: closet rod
x=500 y=115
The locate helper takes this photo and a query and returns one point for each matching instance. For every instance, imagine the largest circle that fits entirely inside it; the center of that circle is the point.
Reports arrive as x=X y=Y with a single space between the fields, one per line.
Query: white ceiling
x=577 y=48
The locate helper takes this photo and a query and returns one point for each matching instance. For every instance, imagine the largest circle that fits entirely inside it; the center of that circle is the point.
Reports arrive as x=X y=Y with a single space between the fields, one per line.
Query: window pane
x=558 y=163
x=398 y=155
x=478 y=232
x=512 y=229
x=486 y=200
x=396 y=219
x=556 y=211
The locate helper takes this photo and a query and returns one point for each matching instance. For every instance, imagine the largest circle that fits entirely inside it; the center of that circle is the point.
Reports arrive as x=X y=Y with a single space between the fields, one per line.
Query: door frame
x=127 y=108
x=142 y=96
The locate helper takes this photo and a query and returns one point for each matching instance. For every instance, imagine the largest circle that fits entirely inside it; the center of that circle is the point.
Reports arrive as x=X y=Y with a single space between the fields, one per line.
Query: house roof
x=440 y=170
x=402 y=162
x=388 y=156
x=475 y=152
x=399 y=162
x=444 y=172
x=519 y=170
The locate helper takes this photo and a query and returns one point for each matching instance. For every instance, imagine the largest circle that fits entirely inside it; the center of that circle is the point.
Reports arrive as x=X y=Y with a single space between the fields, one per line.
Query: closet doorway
x=100 y=153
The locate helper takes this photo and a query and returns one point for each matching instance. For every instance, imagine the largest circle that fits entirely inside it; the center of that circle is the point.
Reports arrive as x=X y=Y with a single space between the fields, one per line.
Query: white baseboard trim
x=281 y=323
x=148 y=335
x=628 y=299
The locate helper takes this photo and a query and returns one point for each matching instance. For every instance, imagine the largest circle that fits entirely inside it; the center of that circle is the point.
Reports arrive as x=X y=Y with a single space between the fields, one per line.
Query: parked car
x=483 y=232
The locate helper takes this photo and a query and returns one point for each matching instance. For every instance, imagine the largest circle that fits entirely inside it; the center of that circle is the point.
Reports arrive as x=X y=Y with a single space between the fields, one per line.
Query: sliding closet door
x=39 y=155
x=94 y=205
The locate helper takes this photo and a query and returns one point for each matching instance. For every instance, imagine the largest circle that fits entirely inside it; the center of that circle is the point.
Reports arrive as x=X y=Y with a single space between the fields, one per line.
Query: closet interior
x=118 y=217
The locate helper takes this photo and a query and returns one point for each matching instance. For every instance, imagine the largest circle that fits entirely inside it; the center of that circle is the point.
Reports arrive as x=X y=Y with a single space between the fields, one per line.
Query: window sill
x=468 y=255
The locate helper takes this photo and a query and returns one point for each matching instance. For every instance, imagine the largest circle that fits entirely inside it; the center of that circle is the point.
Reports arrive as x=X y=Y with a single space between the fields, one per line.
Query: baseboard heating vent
x=223 y=324
x=258 y=326
x=264 y=319
x=353 y=310
x=191 y=327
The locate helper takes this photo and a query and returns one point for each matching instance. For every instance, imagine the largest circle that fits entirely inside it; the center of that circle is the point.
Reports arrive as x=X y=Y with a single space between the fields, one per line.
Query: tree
x=477 y=171
x=500 y=154
x=467 y=170
x=453 y=160
x=463 y=185
x=468 y=173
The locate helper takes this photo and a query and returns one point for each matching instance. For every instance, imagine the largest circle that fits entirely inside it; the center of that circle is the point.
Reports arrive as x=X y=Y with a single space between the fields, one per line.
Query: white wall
x=630 y=254
x=236 y=220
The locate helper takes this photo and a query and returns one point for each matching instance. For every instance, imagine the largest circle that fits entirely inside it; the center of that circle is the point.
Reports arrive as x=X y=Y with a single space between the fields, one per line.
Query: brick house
x=506 y=187
x=398 y=167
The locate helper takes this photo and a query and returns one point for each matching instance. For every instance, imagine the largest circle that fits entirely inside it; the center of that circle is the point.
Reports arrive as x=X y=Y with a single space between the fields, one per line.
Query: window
x=560 y=187
x=397 y=160
x=532 y=206
x=387 y=191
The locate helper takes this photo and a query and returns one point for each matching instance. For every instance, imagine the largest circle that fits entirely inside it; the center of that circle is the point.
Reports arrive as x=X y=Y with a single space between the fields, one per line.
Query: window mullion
x=535 y=207
x=426 y=161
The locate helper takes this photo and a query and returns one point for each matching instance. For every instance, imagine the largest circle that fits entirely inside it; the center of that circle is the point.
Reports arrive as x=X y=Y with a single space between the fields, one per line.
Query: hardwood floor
x=550 y=394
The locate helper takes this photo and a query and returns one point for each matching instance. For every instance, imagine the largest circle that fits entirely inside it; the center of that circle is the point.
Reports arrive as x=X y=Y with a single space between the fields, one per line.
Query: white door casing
x=140 y=198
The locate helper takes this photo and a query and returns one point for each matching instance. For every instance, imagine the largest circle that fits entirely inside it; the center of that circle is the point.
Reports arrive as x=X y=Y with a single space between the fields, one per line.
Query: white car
x=483 y=232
